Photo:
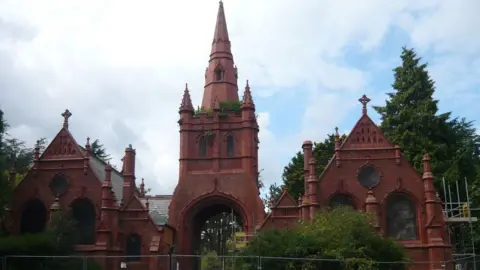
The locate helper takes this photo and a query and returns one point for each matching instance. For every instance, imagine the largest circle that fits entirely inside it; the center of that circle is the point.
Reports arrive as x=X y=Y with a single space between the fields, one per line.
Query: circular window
x=58 y=185
x=368 y=177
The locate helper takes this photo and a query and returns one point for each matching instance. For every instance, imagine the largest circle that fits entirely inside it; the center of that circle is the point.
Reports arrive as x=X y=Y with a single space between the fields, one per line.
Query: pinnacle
x=186 y=104
x=247 y=97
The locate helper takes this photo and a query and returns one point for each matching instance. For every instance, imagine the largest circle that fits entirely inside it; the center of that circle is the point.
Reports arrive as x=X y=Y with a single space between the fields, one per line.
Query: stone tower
x=218 y=166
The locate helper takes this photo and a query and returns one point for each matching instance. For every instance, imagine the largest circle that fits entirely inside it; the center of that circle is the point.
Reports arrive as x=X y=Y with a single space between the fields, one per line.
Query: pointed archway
x=209 y=226
x=34 y=217
x=83 y=211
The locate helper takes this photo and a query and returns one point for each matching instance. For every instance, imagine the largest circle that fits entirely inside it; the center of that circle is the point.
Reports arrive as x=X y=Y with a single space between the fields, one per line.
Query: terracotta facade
x=370 y=174
x=218 y=171
x=113 y=216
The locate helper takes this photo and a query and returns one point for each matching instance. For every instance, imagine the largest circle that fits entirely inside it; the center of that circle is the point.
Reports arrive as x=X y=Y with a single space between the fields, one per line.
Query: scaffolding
x=458 y=216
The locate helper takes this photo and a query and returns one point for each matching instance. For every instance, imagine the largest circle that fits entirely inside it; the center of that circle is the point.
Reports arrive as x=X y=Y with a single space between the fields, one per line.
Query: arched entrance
x=34 y=217
x=210 y=228
x=83 y=211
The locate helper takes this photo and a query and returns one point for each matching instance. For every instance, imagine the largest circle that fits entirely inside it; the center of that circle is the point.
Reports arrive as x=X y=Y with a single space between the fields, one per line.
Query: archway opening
x=213 y=226
x=133 y=247
x=83 y=211
x=34 y=217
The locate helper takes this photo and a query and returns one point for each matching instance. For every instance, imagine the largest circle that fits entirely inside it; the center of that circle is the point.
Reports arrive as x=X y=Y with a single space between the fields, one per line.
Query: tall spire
x=221 y=41
x=221 y=73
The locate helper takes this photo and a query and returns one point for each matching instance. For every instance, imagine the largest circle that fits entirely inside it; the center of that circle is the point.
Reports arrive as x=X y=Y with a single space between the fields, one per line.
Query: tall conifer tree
x=410 y=117
x=5 y=188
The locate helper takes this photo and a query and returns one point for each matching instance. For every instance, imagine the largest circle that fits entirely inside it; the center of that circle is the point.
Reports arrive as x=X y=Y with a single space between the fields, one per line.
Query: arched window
x=83 y=211
x=230 y=146
x=342 y=200
x=202 y=146
x=34 y=217
x=133 y=247
x=218 y=74
x=401 y=217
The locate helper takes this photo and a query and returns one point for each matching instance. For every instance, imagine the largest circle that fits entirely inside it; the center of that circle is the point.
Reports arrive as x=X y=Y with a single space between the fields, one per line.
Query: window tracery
x=83 y=211
x=368 y=177
x=230 y=146
x=202 y=146
x=219 y=74
x=339 y=200
x=401 y=217
x=58 y=185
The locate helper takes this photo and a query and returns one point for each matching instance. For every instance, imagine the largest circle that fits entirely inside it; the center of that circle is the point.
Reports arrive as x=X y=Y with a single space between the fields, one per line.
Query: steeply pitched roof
x=98 y=168
x=158 y=207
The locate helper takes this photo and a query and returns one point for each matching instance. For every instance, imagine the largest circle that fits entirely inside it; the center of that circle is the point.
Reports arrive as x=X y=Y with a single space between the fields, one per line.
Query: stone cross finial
x=364 y=100
x=66 y=115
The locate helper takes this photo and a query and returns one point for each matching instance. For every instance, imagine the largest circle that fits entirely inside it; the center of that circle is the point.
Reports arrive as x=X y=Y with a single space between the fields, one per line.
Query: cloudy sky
x=121 y=66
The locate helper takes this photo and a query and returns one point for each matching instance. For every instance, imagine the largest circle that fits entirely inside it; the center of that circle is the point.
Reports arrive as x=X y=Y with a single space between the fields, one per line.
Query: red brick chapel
x=218 y=170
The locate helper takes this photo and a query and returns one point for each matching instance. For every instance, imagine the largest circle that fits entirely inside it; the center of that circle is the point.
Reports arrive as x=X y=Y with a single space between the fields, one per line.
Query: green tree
x=337 y=239
x=16 y=154
x=293 y=176
x=5 y=189
x=97 y=149
x=410 y=119
x=273 y=193
x=19 y=155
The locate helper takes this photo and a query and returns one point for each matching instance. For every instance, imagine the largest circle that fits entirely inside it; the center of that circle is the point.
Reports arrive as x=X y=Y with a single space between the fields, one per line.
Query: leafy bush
x=27 y=244
x=45 y=251
x=210 y=261
x=338 y=239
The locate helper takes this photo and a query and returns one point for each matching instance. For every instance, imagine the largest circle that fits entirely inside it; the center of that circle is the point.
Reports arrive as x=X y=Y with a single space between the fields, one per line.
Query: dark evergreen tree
x=97 y=149
x=273 y=193
x=410 y=119
x=292 y=176
x=5 y=188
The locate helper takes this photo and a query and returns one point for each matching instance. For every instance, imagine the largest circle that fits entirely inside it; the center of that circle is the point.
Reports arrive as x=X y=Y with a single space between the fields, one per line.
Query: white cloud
x=120 y=66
